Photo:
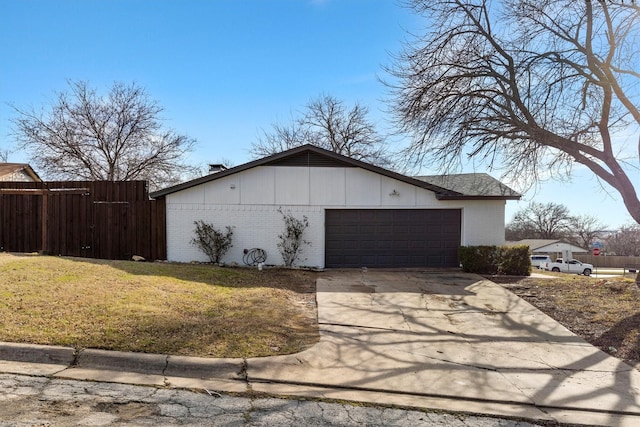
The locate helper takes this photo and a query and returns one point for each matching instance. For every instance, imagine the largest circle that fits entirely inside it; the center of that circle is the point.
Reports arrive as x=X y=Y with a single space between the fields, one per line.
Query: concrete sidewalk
x=439 y=340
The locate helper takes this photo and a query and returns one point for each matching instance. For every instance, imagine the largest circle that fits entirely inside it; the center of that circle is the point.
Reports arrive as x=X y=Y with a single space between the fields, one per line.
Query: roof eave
x=463 y=197
x=293 y=151
x=33 y=174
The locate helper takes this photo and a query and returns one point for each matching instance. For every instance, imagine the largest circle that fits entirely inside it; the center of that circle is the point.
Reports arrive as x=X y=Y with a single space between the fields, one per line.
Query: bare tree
x=514 y=232
x=534 y=86
x=327 y=123
x=541 y=221
x=84 y=135
x=4 y=155
x=626 y=241
x=584 y=230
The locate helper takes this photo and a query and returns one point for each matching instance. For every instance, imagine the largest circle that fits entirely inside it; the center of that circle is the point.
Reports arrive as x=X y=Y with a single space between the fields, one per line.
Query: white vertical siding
x=257 y=186
x=291 y=186
x=249 y=202
x=327 y=186
x=483 y=222
x=225 y=192
x=362 y=187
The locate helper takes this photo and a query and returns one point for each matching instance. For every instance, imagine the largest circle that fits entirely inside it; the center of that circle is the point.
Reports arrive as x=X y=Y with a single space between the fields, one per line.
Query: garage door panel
x=417 y=244
x=417 y=228
x=449 y=228
x=392 y=237
x=401 y=228
x=363 y=216
x=434 y=228
x=399 y=245
x=351 y=244
x=384 y=229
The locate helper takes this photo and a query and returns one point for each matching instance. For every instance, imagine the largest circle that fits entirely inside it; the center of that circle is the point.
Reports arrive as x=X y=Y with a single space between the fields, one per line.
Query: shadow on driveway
x=445 y=335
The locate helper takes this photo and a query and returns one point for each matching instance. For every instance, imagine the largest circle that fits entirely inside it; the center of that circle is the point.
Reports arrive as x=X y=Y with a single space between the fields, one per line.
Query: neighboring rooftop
x=548 y=245
x=18 y=172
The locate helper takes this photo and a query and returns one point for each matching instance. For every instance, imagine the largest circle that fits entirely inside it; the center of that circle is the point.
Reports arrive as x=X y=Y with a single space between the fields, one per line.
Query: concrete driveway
x=453 y=341
x=436 y=339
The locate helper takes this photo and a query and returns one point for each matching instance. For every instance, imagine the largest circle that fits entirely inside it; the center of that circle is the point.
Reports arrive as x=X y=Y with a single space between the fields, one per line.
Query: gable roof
x=11 y=168
x=310 y=155
x=548 y=245
x=478 y=185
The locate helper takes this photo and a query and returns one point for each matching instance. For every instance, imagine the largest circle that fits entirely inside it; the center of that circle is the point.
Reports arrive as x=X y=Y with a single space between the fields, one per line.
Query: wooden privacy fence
x=93 y=219
x=611 y=261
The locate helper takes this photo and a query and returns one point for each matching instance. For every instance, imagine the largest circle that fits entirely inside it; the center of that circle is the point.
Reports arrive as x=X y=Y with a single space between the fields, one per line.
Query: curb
x=33 y=353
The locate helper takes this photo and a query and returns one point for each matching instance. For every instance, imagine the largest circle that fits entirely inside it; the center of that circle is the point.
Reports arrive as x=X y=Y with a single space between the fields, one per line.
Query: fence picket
x=94 y=219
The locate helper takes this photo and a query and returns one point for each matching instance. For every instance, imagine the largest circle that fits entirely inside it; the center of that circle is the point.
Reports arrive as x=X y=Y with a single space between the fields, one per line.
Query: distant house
x=360 y=215
x=18 y=172
x=549 y=246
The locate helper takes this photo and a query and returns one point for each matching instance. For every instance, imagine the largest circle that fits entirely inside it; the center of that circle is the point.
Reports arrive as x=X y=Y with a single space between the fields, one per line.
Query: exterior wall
x=19 y=176
x=254 y=226
x=249 y=202
x=483 y=222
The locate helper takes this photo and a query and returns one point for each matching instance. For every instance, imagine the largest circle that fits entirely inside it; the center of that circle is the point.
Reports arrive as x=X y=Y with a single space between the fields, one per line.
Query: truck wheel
x=587 y=272
x=556 y=269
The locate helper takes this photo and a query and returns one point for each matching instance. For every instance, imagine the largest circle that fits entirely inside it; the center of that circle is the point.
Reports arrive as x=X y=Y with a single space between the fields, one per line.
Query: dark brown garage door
x=392 y=238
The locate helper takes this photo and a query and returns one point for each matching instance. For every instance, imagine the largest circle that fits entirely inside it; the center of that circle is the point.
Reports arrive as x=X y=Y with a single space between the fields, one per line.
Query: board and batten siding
x=249 y=201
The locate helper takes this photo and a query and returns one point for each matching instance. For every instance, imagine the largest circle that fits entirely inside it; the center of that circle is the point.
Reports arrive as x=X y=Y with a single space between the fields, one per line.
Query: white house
x=359 y=215
x=18 y=172
x=550 y=246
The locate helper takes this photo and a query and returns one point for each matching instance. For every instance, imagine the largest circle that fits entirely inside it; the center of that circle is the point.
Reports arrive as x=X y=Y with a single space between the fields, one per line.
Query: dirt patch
x=604 y=312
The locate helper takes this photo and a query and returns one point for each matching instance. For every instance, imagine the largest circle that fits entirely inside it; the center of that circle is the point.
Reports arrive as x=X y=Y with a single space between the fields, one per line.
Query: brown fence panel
x=147 y=229
x=159 y=229
x=610 y=261
x=97 y=219
x=20 y=225
x=68 y=228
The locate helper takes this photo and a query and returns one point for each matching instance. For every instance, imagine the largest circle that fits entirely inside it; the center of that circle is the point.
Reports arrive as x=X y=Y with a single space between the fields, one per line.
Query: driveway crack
x=244 y=374
x=164 y=370
x=466 y=365
x=405 y=320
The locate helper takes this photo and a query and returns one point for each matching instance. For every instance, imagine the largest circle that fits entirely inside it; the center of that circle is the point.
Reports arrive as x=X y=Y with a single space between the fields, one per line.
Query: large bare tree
x=553 y=221
x=84 y=135
x=328 y=123
x=533 y=86
x=585 y=230
x=540 y=221
x=625 y=241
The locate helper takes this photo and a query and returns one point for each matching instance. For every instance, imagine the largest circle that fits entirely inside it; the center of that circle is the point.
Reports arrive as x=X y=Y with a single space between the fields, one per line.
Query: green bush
x=479 y=259
x=506 y=260
x=514 y=261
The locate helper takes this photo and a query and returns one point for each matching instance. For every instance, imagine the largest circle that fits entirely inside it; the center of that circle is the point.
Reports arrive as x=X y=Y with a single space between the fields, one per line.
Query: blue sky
x=225 y=69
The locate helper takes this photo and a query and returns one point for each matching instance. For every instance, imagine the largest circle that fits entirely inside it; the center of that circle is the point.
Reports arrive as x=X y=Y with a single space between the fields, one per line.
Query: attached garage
x=392 y=237
x=359 y=215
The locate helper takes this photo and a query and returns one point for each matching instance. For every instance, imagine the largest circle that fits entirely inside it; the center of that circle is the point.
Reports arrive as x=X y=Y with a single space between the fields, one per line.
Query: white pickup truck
x=570 y=266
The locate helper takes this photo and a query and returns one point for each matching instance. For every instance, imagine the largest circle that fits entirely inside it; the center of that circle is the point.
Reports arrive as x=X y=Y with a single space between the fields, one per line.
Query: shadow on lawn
x=624 y=333
x=300 y=281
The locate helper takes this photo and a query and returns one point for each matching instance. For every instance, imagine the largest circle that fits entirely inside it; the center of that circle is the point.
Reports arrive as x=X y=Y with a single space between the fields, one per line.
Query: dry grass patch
x=605 y=312
x=183 y=309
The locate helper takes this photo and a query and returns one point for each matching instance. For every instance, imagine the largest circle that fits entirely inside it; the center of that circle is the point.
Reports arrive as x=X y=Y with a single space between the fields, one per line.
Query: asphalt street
x=42 y=401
